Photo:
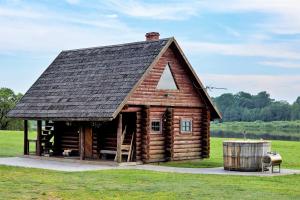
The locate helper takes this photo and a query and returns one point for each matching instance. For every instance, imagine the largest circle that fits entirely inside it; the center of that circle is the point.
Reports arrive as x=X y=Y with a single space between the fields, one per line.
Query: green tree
x=245 y=100
x=262 y=99
x=295 y=113
x=246 y=107
x=8 y=100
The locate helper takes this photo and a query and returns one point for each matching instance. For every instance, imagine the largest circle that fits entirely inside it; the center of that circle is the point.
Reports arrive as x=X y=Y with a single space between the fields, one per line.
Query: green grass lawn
x=11 y=143
x=24 y=183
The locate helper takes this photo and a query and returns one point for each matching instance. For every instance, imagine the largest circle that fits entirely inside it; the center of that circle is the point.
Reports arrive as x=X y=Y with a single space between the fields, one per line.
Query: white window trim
x=160 y=126
x=186 y=132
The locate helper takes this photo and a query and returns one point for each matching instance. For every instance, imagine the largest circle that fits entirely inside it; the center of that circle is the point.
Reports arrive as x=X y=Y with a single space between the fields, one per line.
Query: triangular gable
x=166 y=81
x=215 y=112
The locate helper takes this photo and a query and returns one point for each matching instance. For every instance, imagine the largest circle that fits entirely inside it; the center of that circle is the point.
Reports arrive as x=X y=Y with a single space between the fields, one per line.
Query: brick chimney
x=152 y=36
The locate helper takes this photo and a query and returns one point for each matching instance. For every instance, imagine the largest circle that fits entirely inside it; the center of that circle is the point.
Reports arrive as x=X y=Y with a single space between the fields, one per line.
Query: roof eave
x=82 y=119
x=217 y=114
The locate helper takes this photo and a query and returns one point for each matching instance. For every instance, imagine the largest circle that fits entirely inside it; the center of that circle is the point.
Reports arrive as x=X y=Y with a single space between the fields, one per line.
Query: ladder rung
x=125 y=147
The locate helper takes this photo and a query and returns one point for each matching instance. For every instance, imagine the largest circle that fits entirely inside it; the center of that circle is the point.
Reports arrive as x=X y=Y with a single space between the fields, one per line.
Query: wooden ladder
x=126 y=149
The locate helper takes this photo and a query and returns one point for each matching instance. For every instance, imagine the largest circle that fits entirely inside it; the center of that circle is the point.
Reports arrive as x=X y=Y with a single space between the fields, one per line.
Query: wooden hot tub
x=244 y=155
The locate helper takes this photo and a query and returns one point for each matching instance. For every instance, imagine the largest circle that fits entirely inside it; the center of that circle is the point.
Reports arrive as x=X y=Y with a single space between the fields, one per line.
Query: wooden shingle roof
x=88 y=84
x=93 y=84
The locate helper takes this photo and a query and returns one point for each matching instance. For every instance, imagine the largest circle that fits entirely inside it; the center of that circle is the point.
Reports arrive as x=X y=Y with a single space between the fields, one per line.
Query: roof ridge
x=115 y=45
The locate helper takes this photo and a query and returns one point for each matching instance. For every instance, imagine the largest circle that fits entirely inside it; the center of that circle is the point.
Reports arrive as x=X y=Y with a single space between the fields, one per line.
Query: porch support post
x=81 y=139
x=38 y=138
x=119 y=140
x=26 y=150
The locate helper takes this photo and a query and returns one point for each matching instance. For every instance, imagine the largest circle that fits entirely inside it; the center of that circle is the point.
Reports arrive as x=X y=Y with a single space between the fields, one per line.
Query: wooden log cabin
x=139 y=102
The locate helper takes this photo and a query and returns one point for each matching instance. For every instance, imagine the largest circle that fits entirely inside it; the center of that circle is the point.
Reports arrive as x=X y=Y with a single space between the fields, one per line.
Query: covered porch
x=85 y=140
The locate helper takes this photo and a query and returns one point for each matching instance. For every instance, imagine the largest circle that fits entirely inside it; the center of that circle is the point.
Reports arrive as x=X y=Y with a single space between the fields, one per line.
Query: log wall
x=156 y=140
x=168 y=133
x=186 y=96
x=145 y=133
x=187 y=145
x=205 y=130
x=171 y=143
x=68 y=137
x=95 y=148
x=138 y=139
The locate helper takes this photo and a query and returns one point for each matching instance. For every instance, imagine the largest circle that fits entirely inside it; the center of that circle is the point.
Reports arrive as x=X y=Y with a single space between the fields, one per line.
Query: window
x=186 y=126
x=155 y=126
x=166 y=81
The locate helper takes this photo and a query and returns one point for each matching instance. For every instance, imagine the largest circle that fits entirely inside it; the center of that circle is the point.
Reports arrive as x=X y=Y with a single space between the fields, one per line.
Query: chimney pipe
x=152 y=36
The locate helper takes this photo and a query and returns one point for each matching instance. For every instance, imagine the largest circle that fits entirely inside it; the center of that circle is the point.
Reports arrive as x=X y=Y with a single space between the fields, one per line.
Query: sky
x=240 y=45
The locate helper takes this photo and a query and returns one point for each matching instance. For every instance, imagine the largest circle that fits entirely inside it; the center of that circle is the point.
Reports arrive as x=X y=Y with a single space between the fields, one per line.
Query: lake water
x=253 y=135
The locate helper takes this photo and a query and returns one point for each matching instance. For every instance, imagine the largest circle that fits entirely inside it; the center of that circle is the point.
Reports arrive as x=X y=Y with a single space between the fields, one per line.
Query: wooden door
x=88 y=142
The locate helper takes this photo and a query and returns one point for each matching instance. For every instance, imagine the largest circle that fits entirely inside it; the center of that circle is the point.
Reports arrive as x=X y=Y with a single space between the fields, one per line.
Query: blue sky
x=249 y=45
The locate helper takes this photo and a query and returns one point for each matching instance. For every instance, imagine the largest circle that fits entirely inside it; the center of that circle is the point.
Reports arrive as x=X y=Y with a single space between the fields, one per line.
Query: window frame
x=191 y=126
x=160 y=126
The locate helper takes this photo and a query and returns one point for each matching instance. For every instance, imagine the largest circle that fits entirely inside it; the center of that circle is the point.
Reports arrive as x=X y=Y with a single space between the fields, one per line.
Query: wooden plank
x=156 y=148
x=186 y=150
x=88 y=142
x=188 y=154
x=130 y=149
x=183 y=146
x=157 y=156
x=26 y=146
x=158 y=151
x=157 y=143
x=119 y=139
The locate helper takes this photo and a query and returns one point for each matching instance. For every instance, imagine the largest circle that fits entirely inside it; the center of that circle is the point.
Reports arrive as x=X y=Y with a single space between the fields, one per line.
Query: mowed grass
x=11 y=143
x=22 y=183
x=25 y=183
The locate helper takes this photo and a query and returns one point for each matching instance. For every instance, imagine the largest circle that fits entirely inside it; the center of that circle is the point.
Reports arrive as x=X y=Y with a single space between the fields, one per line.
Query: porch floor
x=68 y=165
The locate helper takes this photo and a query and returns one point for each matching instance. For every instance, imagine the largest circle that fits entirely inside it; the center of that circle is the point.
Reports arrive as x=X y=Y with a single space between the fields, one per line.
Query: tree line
x=234 y=107
x=8 y=99
x=243 y=106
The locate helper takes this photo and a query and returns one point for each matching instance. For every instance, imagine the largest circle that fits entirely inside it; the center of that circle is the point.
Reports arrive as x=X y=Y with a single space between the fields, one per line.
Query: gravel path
x=70 y=166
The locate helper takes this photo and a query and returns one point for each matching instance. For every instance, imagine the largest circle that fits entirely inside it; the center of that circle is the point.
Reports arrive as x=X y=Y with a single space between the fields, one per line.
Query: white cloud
x=283 y=17
x=39 y=29
x=281 y=87
x=281 y=64
x=259 y=50
x=24 y=13
x=168 y=10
